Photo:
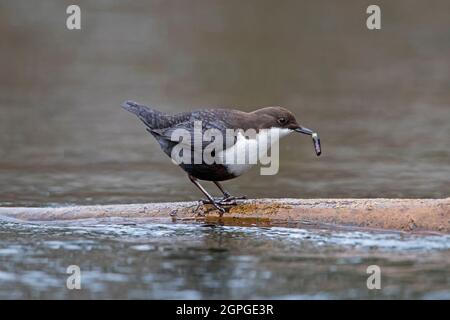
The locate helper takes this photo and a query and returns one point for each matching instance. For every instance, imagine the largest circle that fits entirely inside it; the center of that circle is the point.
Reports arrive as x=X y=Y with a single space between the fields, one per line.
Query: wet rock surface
x=396 y=214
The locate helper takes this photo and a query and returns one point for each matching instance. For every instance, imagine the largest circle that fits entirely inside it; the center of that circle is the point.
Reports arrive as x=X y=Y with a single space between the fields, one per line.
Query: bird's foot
x=215 y=203
x=228 y=200
x=198 y=212
x=229 y=197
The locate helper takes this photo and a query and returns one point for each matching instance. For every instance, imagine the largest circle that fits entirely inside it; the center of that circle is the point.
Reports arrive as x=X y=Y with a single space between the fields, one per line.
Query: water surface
x=380 y=100
x=197 y=261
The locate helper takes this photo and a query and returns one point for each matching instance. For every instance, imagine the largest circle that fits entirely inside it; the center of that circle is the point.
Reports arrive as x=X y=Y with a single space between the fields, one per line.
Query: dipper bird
x=163 y=126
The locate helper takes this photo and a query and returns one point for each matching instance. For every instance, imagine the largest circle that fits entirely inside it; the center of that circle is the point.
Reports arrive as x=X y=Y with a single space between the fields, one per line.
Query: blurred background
x=379 y=99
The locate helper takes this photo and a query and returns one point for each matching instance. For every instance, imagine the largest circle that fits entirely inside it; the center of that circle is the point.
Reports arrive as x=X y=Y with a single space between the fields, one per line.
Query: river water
x=198 y=261
x=379 y=99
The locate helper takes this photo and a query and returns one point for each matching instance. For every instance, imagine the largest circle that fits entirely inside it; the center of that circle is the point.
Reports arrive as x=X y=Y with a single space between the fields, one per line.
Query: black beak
x=304 y=130
x=315 y=138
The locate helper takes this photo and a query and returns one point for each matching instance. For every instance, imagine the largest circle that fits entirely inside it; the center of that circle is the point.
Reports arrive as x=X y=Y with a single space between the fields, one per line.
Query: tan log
x=395 y=214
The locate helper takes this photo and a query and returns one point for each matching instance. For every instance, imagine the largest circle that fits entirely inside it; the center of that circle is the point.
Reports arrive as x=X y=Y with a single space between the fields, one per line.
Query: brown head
x=279 y=117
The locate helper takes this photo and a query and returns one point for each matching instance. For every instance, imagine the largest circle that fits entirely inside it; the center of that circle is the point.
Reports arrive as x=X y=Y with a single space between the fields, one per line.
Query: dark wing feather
x=163 y=126
x=186 y=121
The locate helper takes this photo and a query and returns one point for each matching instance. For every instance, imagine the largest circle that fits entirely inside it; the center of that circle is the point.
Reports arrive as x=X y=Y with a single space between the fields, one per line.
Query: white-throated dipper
x=276 y=120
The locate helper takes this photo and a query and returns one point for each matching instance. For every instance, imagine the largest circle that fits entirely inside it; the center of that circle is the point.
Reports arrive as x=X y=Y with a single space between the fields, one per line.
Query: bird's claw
x=222 y=210
x=215 y=203
x=233 y=198
x=228 y=200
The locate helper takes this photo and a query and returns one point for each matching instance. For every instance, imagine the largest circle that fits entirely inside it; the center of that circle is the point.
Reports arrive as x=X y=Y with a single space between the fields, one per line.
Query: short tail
x=152 y=118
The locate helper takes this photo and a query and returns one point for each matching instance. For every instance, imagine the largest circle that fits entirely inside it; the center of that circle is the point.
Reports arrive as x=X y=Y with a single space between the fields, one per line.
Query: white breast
x=246 y=152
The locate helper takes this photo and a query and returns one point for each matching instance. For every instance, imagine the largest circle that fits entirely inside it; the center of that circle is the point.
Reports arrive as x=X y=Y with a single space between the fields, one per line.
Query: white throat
x=247 y=152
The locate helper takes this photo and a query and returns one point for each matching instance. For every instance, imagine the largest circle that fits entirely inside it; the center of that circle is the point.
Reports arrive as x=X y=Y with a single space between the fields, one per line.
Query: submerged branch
x=396 y=214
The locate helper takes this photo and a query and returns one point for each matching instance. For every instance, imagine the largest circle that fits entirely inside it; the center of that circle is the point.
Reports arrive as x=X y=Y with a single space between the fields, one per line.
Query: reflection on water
x=194 y=261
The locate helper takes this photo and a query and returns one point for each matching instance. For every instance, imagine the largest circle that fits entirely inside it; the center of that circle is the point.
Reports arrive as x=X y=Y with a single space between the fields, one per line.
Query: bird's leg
x=210 y=198
x=225 y=193
x=227 y=197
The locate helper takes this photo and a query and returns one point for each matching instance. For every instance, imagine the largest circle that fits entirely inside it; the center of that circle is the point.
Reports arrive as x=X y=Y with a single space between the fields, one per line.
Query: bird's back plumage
x=162 y=126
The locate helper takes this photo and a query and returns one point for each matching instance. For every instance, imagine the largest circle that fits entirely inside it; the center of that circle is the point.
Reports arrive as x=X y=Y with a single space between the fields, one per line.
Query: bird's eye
x=282 y=121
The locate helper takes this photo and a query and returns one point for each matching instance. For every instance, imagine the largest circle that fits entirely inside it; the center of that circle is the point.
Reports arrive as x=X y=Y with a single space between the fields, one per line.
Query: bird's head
x=281 y=118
